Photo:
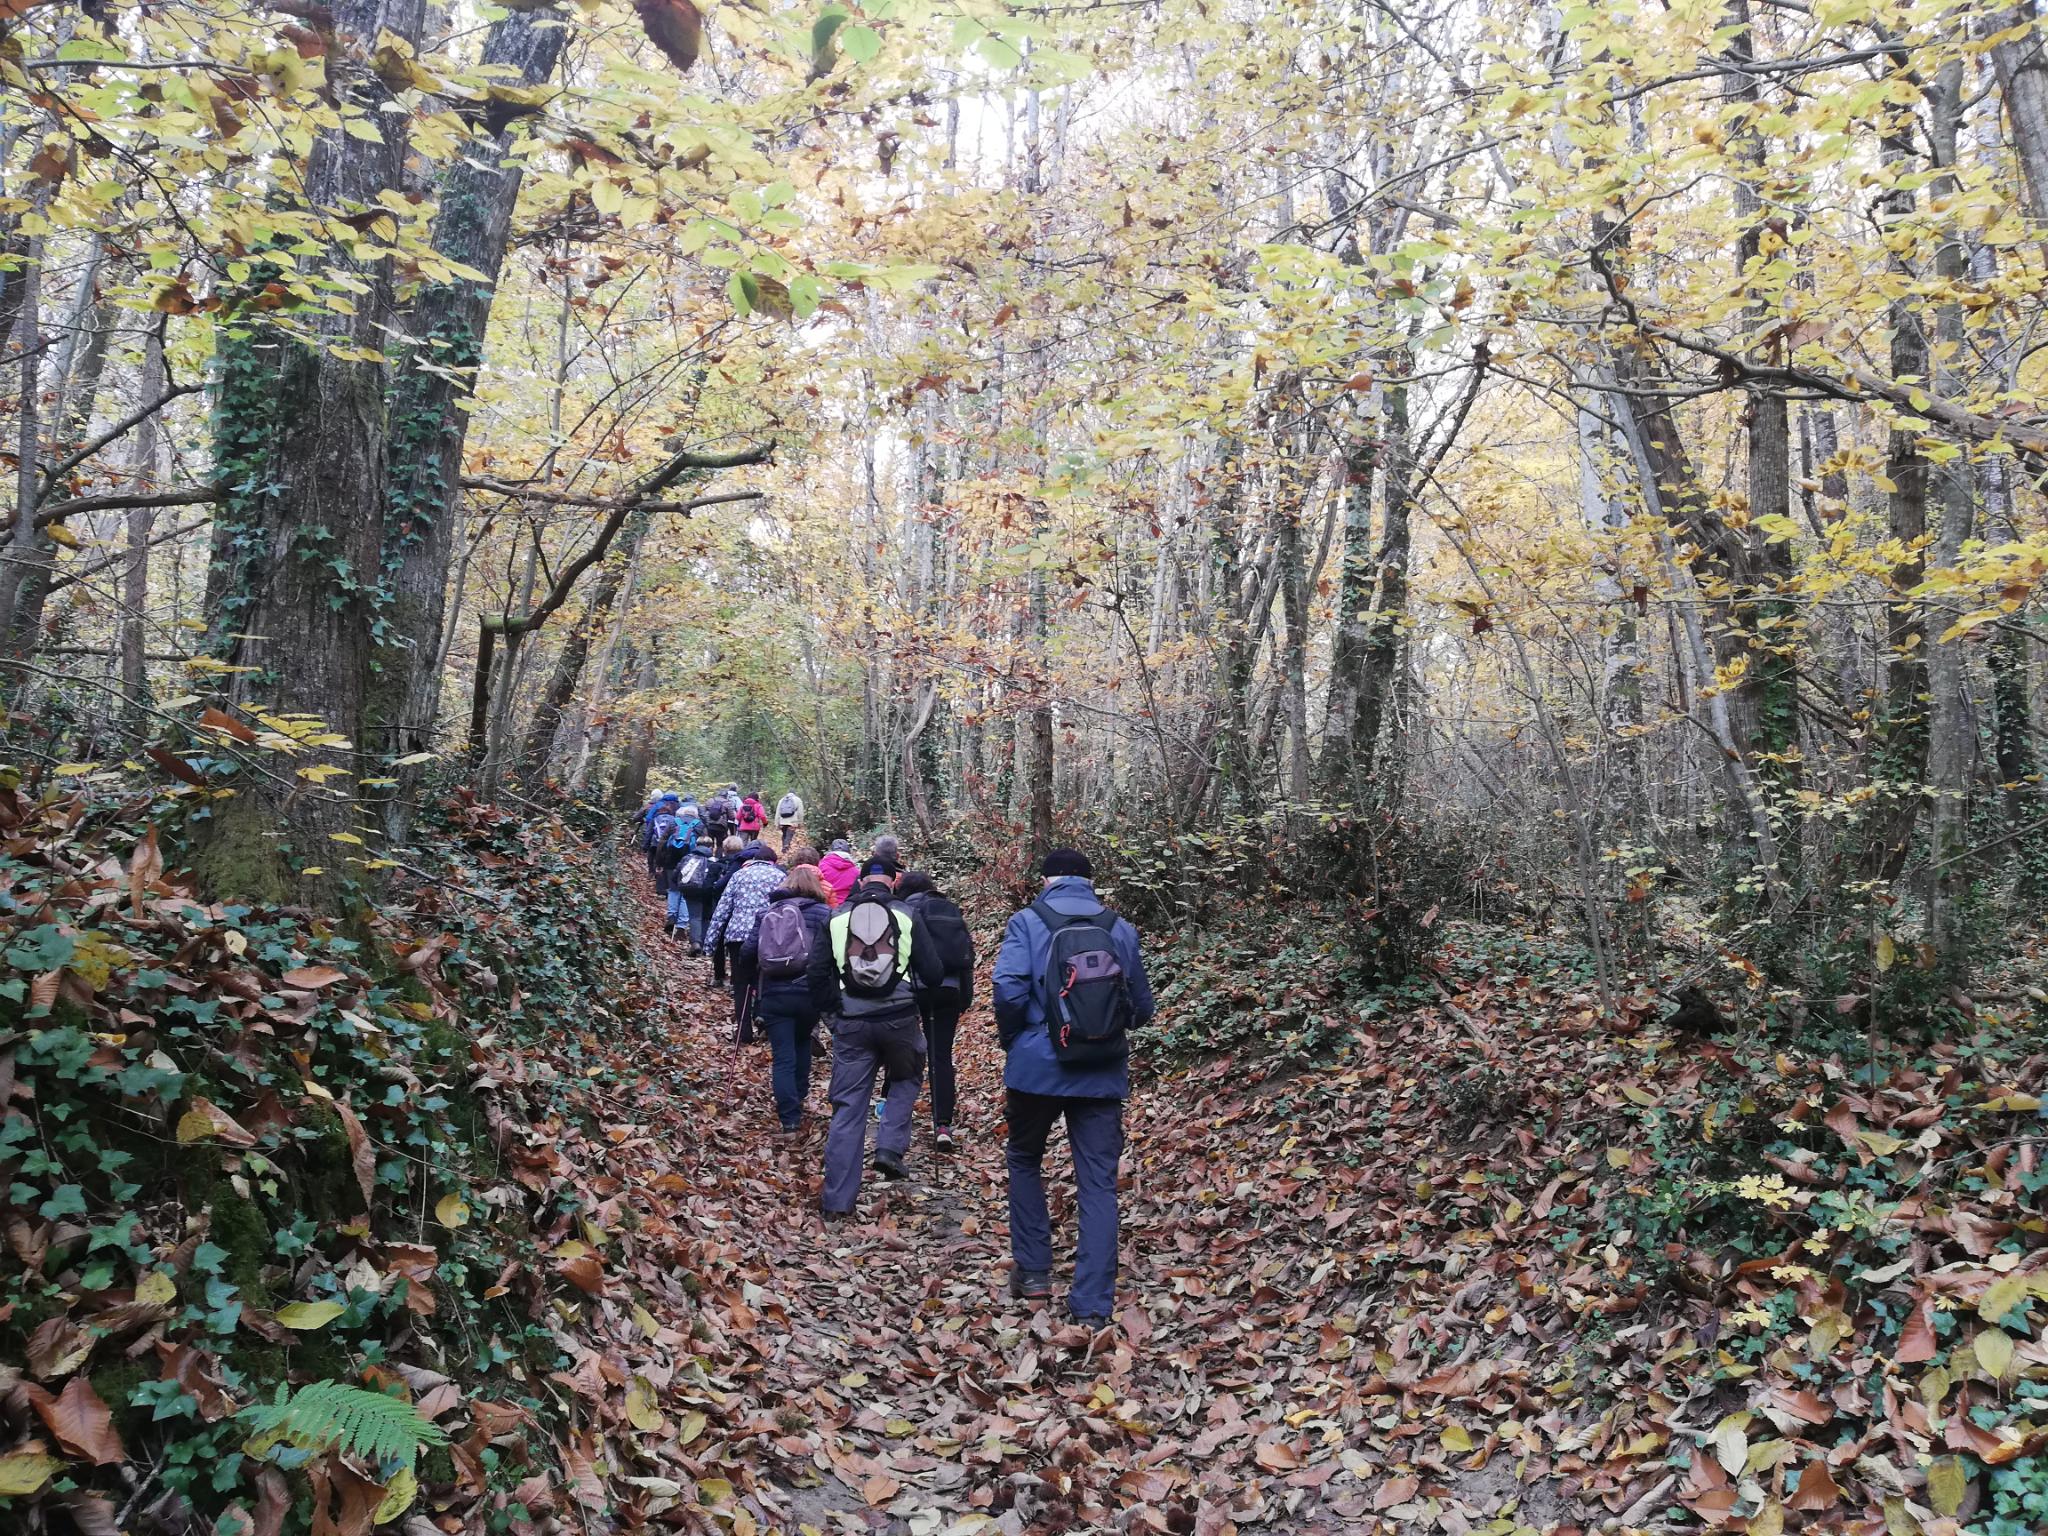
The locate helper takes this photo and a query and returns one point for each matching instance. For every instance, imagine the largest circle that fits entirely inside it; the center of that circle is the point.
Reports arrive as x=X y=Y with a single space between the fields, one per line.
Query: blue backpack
x=685 y=835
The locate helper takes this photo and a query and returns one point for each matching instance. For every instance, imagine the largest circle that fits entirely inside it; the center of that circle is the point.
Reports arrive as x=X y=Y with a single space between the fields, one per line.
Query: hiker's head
x=732 y=845
x=760 y=850
x=840 y=845
x=875 y=872
x=805 y=881
x=705 y=845
x=1066 y=863
x=887 y=848
x=915 y=882
x=801 y=856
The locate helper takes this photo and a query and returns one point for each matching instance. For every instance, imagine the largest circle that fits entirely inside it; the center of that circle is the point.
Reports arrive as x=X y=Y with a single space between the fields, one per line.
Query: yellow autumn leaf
x=157 y=1289
x=2001 y=1296
x=25 y=1472
x=643 y=1411
x=1948 y=1480
x=451 y=1211
x=2012 y=1103
x=306 y=1315
x=691 y=1427
x=1994 y=1352
x=399 y=1494
x=1456 y=1437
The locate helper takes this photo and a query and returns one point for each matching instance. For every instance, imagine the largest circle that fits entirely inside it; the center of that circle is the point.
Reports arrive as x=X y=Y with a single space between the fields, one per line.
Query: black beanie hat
x=1065 y=861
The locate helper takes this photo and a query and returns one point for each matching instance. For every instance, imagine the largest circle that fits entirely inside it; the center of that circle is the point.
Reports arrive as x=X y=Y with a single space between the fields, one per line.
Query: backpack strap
x=1055 y=920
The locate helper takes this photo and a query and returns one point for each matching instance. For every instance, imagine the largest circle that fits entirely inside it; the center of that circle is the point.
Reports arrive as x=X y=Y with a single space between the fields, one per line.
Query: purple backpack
x=1088 y=1000
x=783 y=940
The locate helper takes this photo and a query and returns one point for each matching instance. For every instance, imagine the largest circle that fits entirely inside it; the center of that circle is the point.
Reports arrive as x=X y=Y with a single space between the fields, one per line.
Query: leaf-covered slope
x=1462 y=1259
x=248 y=1149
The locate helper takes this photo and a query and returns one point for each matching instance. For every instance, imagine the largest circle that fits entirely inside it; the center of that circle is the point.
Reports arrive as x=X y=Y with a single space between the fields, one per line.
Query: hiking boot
x=1092 y=1324
x=1030 y=1285
x=890 y=1166
x=942 y=1138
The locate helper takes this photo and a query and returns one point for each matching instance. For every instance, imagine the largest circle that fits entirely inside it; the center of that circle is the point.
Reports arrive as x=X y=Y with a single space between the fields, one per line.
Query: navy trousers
x=1095 y=1133
x=788 y=1025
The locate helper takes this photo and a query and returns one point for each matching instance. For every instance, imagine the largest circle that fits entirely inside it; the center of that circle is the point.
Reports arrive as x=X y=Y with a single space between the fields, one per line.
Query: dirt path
x=891 y=1384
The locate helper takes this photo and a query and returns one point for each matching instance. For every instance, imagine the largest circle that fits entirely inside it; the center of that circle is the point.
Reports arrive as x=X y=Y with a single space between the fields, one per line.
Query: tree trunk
x=141 y=522
x=28 y=552
x=1952 y=745
x=81 y=367
x=1901 y=735
x=301 y=436
x=1766 y=622
x=574 y=745
x=631 y=785
x=1294 y=654
x=1353 y=639
x=2023 y=81
x=568 y=673
x=446 y=323
x=1386 y=649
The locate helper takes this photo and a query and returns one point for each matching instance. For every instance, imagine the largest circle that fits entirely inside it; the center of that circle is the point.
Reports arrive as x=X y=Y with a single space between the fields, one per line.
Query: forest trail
x=891 y=1374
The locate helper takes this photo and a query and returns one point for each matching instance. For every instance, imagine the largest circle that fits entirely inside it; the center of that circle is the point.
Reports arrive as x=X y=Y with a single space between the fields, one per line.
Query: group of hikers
x=883 y=961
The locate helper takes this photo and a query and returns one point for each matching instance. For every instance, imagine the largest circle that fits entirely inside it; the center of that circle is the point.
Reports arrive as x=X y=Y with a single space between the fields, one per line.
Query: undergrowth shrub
x=224 y=1110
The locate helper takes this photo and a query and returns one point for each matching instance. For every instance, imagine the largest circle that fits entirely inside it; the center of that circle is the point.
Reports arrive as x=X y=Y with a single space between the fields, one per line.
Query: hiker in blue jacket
x=1083 y=1076
x=693 y=887
x=655 y=827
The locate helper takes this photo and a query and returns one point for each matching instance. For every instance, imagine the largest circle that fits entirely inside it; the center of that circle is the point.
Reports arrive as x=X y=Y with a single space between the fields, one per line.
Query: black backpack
x=1088 y=1009
x=948 y=930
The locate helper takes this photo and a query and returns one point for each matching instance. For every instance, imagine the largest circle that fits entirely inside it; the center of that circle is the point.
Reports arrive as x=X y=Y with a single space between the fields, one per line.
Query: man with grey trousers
x=1067 y=1058
x=860 y=975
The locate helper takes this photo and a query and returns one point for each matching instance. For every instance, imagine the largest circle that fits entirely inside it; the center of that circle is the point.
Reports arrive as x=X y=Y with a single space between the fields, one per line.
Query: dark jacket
x=714 y=873
x=727 y=863
x=958 y=986
x=794 y=989
x=923 y=968
x=1022 y=1004
x=670 y=854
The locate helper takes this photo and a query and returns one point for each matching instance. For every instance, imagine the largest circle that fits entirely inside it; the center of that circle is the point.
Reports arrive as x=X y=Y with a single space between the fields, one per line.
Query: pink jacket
x=840 y=875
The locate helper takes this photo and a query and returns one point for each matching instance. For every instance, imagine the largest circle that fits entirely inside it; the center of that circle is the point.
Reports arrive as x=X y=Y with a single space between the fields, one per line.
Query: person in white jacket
x=789 y=817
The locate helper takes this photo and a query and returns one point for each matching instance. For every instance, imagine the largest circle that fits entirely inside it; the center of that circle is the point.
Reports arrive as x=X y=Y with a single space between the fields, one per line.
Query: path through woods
x=1257 y=1373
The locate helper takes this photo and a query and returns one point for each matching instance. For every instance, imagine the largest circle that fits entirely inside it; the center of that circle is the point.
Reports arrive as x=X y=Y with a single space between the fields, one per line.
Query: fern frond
x=332 y=1415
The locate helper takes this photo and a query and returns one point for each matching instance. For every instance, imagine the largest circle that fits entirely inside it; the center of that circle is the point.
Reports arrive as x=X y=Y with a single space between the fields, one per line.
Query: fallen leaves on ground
x=1493 y=1263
